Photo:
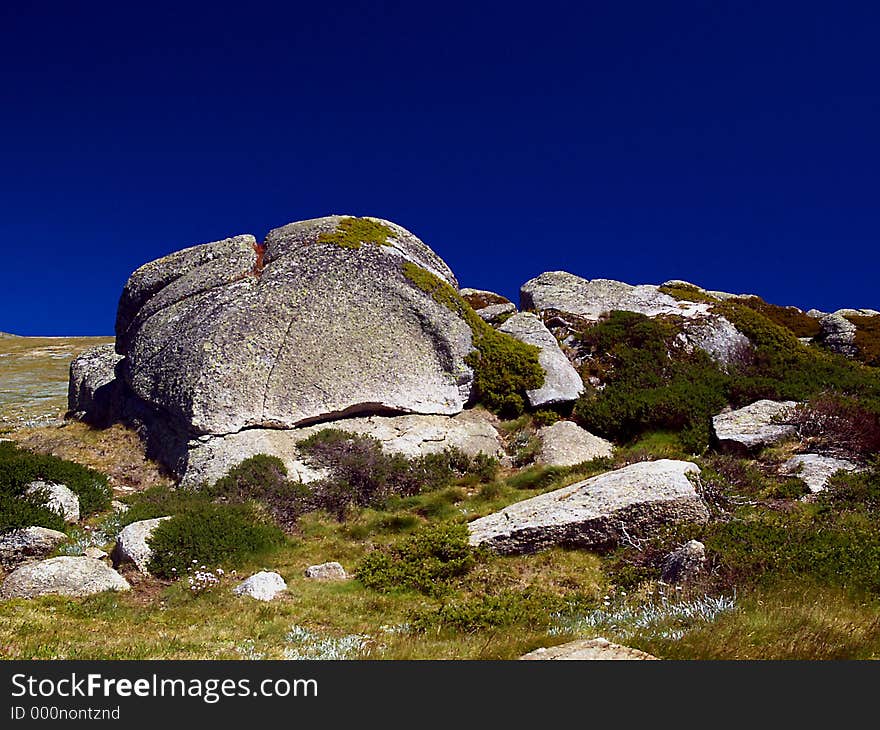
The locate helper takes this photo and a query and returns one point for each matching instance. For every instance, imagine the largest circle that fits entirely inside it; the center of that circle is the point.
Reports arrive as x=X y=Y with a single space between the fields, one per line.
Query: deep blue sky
x=734 y=144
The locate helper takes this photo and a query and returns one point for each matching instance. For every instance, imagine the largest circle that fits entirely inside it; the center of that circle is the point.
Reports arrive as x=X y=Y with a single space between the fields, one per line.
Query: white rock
x=61 y=500
x=326 y=571
x=131 y=543
x=564 y=443
x=754 y=425
x=28 y=543
x=262 y=586
x=588 y=649
x=598 y=512
x=562 y=384
x=815 y=469
x=64 y=576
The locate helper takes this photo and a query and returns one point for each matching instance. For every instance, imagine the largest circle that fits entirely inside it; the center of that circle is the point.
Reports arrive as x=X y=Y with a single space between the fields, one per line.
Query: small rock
x=685 y=563
x=263 y=586
x=815 y=469
x=754 y=426
x=119 y=507
x=95 y=553
x=131 y=543
x=589 y=649
x=64 y=576
x=326 y=571
x=61 y=500
x=564 y=443
x=28 y=543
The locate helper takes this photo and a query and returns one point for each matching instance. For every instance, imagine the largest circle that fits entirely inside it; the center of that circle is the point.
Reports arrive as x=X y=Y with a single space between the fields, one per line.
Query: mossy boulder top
x=319 y=322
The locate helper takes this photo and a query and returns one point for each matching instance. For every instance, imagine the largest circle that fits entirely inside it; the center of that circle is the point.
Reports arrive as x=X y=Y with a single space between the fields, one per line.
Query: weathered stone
x=132 y=543
x=566 y=292
x=262 y=586
x=562 y=384
x=588 y=649
x=597 y=513
x=717 y=337
x=496 y=311
x=838 y=333
x=326 y=571
x=471 y=431
x=94 y=394
x=753 y=426
x=28 y=543
x=565 y=444
x=64 y=576
x=816 y=469
x=480 y=298
x=322 y=331
x=95 y=553
x=685 y=563
x=61 y=500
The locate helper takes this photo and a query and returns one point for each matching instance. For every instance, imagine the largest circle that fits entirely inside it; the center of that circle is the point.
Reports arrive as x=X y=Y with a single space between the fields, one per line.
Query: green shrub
x=528 y=609
x=19 y=467
x=212 y=535
x=427 y=561
x=160 y=502
x=17 y=512
x=545 y=417
x=354 y=232
x=504 y=368
x=688 y=293
x=793 y=319
x=867 y=339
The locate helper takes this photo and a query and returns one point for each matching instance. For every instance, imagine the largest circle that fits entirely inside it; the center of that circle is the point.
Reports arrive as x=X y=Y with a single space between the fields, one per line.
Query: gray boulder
x=562 y=384
x=262 y=586
x=597 y=513
x=716 y=336
x=565 y=444
x=754 y=426
x=93 y=393
x=816 y=469
x=28 y=543
x=838 y=333
x=471 y=431
x=685 y=563
x=64 y=576
x=587 y=650
x=61 y=500
x=220 y=338
x=132 y=543
x=326 y=571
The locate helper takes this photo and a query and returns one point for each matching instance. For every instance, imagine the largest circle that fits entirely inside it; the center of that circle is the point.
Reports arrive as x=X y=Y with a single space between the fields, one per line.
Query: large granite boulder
x=597 y=513
x=760 y=424
x=93 y=392
x=565 y=444
x=562 y=384
x=321 y=322
x=132 y=543
x=57 y=498
x=587 y=650
x=28 y=543
x=472 y=432
x=816 y=469
x=64 y=576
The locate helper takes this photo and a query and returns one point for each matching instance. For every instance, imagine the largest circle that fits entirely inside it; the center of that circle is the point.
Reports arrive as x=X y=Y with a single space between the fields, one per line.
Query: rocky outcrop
x=58 y=498
x=94 y=393
x=472 y=431
x=490 y=306
x=838 y=334
x=326 y=571
x=262 y=586
x=562 y=384
x=316 y=326
x=717 y=337
x=684 y=564
x=587 y=649
x=132 y=543
x=64 y=576
x=26 y=544
x=565 y=444
x=816 y=469
x=754 y=426
x=597 y=513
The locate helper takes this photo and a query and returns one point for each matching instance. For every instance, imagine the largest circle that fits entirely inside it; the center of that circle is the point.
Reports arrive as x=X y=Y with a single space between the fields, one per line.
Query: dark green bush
x=528 y=609
x=427 y=561
x=867 y=339
x=16 y=512
x=792 y=318
x=19 y=467
x=160 y=502
x=212 y=535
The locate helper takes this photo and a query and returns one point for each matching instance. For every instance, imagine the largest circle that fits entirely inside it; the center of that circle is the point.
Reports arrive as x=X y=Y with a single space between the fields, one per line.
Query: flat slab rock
x=562 y=384
x=564 y=443
x=754 y=425
x=598 y=512
x=64 y=576
x=471 y=431
x=28 y=543
x=816 y=469
x=587 y=650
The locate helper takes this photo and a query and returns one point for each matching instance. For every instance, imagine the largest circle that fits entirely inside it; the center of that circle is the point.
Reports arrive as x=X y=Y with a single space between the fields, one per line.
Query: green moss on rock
x=354 y=232
x=687 y=293
x=504 y=368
